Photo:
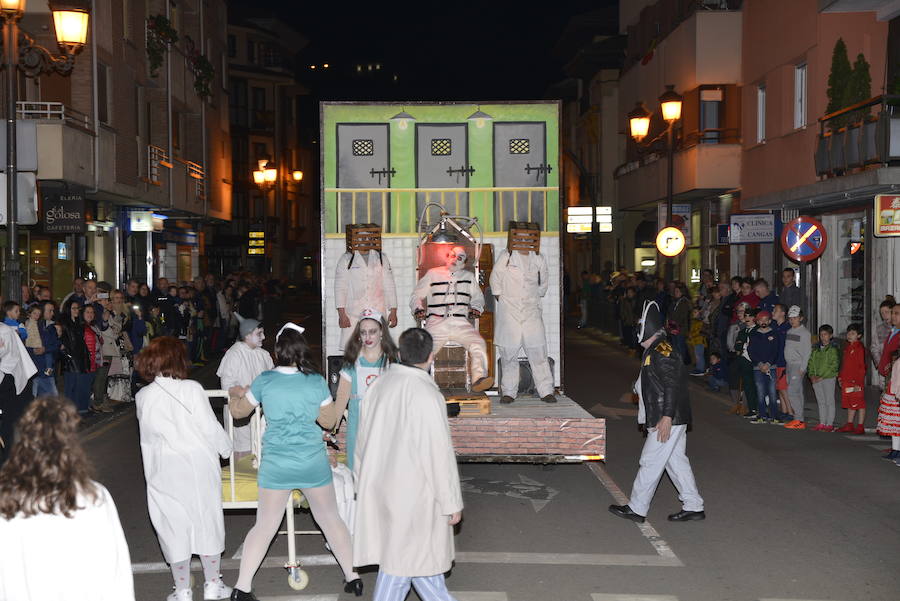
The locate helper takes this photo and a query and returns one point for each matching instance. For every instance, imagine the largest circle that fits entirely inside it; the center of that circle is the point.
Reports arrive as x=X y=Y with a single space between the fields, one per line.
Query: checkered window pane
x=363 y=148
x=440 y=147
x=518 y=146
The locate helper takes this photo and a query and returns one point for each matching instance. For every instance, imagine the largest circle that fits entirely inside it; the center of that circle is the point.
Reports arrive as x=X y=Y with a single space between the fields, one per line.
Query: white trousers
x=669 y=457
x=396 y=588
x=540 y=370
x=460 y=331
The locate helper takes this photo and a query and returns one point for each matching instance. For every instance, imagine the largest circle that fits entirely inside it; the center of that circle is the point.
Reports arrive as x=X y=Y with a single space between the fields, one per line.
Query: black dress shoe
x=624 y=511
x=506 y=399
x=891 y=455
x=355 y=587
x=687 y=516
x=549 y=398
x=239 y=595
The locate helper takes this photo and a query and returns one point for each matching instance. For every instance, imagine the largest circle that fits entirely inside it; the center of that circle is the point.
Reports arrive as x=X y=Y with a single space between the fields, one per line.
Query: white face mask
x=255 y=338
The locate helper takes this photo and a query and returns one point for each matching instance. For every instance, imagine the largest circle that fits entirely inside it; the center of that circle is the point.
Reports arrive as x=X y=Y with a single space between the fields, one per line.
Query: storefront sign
x=722 y=235
x=804 y=239
x=63 y=213
x=753 y=228
x=141 y=221
x=681 y=218
x=887 y=215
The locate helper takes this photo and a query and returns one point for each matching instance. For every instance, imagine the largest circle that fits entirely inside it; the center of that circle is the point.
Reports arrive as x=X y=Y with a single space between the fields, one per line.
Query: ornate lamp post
x=639 y=125
x=21 y=53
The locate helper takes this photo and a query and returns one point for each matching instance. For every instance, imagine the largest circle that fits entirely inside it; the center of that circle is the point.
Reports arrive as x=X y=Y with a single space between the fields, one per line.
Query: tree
x=859 y=87
x=838 y=80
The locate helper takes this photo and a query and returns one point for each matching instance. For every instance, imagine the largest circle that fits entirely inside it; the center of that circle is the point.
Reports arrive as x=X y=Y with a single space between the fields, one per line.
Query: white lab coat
x=367 y=284
x=521 y=282
x=406 y=474
x=97 y=566
x=181 y=442
x=239 y=367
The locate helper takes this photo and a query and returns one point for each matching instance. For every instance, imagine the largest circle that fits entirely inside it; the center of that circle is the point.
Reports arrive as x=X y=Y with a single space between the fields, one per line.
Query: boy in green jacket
x=823 y=367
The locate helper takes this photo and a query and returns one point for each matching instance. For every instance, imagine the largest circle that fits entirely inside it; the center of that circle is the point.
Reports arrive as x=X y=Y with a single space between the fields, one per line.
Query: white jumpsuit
x=363 y=282
x=520 y=282
x=446 y=298
x=239 y=367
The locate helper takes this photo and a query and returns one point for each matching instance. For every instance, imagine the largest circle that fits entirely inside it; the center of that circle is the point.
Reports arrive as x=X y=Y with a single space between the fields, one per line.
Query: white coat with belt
x=520 y=281
x=363 y=282
x=181 y=442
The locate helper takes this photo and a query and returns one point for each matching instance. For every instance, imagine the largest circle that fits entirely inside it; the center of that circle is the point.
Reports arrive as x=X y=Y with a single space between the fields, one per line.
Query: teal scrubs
x=293 y=452
x=361 y=376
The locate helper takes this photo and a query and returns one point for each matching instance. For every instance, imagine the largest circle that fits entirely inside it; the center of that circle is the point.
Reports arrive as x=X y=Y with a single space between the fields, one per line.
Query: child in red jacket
x=852 y=380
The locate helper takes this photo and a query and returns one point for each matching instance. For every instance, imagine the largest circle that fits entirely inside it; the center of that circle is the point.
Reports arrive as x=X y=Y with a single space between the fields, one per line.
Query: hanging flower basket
x=160 y=35
x=203 y=70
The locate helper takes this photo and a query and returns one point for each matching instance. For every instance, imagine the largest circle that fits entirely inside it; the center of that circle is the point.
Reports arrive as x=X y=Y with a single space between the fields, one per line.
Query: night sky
x=448 y=51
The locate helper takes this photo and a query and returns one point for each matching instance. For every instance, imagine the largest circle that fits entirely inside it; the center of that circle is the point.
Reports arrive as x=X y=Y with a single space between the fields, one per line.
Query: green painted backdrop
x=403 y=151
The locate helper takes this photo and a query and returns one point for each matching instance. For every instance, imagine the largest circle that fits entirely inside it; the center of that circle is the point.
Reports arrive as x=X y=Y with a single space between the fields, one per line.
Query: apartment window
x=103 y=93
x=800 y=96
x=711 y=112
x=126 y=20
x=761 y=113
x=259 y=99
x=232 y=45
x=237 y=101
x=251 y=52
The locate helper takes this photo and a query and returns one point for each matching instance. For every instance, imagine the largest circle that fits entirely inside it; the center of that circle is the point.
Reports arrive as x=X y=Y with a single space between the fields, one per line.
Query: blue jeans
x=699 y=358
x=765 y=387
x=43 y=385
x=78 y=388
x=717 y=383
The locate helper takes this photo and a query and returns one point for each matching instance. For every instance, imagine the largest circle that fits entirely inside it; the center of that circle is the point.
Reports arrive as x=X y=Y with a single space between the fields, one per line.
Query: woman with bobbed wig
x=181 y=442
x=294 y=397
x=50 y=507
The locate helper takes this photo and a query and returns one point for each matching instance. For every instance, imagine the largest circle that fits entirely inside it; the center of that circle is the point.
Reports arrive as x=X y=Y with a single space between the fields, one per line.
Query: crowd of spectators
x=85 y=342
x=751 y=341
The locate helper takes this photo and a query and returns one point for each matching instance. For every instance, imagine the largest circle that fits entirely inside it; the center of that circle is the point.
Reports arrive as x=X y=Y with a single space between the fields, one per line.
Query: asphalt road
x=792 y=515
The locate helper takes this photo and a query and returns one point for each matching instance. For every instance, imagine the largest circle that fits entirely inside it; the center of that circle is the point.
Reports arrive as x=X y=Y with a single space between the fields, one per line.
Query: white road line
x=662 y=547
x=557 y=559
x=861 y=438
x=479 y=596
x=620 y=597
x=785 y=599
x=301 y=598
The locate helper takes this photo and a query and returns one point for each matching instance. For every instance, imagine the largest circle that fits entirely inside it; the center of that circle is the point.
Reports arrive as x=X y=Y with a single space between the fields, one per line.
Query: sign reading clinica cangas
x=63 y=213
x=751 y=228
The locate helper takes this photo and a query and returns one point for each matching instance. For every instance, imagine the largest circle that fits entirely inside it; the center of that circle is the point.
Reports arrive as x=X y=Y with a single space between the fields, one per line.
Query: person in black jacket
x=665 y=409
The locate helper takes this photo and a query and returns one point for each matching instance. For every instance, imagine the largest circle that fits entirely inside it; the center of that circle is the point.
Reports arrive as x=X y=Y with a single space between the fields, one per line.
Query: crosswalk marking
x=621 y=597
x=861 y=438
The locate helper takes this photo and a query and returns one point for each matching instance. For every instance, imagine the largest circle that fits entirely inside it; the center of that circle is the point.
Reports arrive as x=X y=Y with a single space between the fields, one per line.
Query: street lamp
x=265 y=176
x=670 y=103
x=20 y=52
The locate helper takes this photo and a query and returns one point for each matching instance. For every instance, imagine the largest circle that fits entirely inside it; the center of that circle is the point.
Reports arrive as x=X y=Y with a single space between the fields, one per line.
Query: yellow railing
x=397 y=209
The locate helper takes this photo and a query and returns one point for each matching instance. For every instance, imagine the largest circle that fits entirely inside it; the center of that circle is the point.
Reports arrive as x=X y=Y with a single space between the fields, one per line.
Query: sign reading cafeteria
x=887 y=215
x=804 y=239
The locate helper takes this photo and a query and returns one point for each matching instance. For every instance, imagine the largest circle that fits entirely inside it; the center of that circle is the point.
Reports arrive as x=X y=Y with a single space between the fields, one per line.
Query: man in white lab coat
x=245 y=360
x=446 y=297
x=408 y=491
x=519 y=282
x=363 y=280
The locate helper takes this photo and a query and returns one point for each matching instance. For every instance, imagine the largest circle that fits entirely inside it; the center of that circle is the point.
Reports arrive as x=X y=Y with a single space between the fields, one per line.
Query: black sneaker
x=751 y=415
x=239 y=595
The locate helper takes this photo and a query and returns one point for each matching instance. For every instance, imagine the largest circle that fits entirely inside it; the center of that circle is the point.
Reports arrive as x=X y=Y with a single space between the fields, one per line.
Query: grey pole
x=13 y=266
x=670 y=151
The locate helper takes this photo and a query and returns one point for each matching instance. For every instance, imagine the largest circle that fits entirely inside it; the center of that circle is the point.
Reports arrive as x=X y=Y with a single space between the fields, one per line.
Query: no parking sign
x=804 y=239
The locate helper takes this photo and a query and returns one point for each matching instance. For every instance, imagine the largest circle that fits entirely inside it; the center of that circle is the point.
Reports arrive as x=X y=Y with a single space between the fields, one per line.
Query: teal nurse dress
x=293 y=452
x=361 y=376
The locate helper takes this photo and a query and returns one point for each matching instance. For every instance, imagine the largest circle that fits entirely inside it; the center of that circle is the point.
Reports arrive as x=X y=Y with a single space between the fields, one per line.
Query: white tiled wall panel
x=402 y=253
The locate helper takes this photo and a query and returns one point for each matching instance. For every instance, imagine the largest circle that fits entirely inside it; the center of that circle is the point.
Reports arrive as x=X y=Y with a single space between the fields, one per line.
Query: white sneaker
x=184 y=594
x=215 y=589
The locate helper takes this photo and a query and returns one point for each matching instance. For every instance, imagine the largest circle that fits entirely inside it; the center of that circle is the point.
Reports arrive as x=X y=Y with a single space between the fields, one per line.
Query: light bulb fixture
x=259 y=177
x=12 y=8
x=670 y=104
x=270 y=174
x=402 y=118
x=639 y=121
x=261 y=163
x=479 y=117
x=444 y=236
x=297 y=175
x=71 y=26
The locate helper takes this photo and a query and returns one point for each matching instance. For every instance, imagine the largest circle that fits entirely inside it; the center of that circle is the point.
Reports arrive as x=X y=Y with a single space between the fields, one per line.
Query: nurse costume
x=362 y=375
x=293 y=452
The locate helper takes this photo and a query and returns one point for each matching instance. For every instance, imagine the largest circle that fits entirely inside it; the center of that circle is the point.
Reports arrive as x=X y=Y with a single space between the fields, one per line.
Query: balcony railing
x=156 y=157
x=52 y=111
x=195 y=172
x=855 y=137
x=398 y=209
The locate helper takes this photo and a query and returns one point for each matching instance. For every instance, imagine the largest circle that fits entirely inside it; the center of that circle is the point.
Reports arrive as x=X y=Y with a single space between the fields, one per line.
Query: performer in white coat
x=245 y=360
x=181 y=442
x=446 y=297
x=408 y=491
x=519 y=282
x=363 y=280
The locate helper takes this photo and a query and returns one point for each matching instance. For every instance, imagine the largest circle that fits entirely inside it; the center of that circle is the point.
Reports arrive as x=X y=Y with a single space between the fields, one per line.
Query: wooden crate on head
x=363 y=237
x=524 y=235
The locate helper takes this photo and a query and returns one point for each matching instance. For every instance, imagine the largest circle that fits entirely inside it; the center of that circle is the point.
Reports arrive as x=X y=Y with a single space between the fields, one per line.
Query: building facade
x=134 y=143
